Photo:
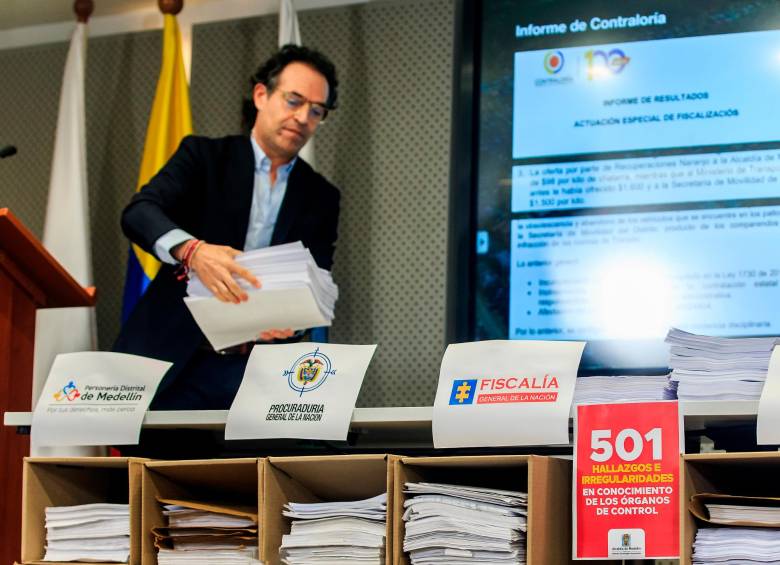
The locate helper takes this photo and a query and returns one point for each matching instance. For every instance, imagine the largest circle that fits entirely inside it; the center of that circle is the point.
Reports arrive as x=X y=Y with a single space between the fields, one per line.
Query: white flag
x=66 y=228
x=290 y=32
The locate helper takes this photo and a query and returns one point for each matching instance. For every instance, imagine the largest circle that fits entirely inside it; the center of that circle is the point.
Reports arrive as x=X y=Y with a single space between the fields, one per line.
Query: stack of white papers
x=216 y=556
x=730 y=513
x=737 y=546
x=88 y=532
x=455 y=524
x=718 y=368
x=343 y=533
x=632 y=388
x=195 y=535
x=185 y=517
x=295 y=294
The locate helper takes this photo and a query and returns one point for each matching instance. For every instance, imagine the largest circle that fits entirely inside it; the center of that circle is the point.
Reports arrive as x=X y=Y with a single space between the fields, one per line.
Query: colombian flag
x=170 y=121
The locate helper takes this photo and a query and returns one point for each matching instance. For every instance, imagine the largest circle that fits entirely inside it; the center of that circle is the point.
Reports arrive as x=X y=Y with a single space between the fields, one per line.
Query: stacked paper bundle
x=730 y=513
x=457 y=525
x=718 y=368
x=206 y=533
x=347 y=533
x=736 y=546
x=751 y=533
x=633 y=388
x=295 y=294
x=88 y=532
x=281 y=267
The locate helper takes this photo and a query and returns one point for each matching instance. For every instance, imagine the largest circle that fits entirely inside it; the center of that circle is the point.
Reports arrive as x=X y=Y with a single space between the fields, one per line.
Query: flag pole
x=170 y=120
x=66 y=230
x=83 y=10
x=172 y=7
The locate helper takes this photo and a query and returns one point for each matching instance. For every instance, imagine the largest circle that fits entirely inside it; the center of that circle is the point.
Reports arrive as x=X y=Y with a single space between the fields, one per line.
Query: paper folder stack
x=206 y=533
x=88 y=532
x=719 y=368
x=456 y=525
x=295 y=294
x=346 y=533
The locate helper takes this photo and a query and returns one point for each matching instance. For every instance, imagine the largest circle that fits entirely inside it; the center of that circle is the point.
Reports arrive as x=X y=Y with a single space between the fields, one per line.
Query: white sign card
x=502 y=393
x=298 y=390
x=95 y=398
x=768 y=421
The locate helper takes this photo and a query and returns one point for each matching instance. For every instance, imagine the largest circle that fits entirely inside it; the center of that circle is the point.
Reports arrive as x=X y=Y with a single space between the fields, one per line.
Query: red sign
x=627 y=481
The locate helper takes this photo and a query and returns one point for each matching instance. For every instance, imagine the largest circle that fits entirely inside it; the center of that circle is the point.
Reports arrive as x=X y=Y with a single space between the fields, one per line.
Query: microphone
x=7 y=151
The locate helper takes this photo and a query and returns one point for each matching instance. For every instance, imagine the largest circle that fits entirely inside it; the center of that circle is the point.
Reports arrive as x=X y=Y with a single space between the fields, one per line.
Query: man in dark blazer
x=216 y=197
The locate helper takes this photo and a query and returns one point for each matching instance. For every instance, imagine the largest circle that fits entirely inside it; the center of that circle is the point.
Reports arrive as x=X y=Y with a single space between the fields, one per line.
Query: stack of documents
x=295 y=294
x=736 y=546
x=733 y=510
x=343 y=533
x=206 y=533
x=88 y=532
x=731 y=513
x=633 y=388
x=455 y=524
x=719 y=368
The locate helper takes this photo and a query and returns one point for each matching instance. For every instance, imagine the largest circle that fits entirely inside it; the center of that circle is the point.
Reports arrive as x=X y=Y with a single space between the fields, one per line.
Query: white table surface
x=696 y=414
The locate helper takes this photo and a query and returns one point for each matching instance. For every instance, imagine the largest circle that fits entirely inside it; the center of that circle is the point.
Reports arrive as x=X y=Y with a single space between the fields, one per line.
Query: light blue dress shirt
x=267 y=200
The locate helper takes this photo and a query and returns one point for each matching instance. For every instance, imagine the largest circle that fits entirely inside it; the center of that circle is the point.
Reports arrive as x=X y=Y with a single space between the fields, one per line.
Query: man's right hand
x=217 y=269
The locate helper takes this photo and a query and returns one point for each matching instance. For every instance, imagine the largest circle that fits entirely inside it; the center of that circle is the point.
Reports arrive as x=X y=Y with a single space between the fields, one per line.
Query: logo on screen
x=309 y=372
x=603 y=64
x=69 y=392
x=553 y=62
x=625 y=540
x=463 y=392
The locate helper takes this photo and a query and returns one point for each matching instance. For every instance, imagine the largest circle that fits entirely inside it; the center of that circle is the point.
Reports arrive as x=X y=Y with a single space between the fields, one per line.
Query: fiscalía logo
x=463 y=392
x=602 y=64
x=553 y=62
x=504 y=390
x=69 y=392
x=309 y=372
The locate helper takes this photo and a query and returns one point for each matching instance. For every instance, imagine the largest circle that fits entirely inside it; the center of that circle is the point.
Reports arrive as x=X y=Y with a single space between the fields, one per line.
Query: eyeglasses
x=317 y=111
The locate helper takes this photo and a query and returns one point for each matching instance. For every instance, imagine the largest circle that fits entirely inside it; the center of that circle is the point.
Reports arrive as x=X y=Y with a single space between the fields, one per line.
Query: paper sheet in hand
x=295 y=294
x=95 y=398
x=225 y=324
x=768 y=422
x=298 y=390
x=494 y=393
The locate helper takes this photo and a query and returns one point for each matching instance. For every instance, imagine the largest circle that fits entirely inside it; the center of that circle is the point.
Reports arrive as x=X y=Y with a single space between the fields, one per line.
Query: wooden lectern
x=30 y=278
